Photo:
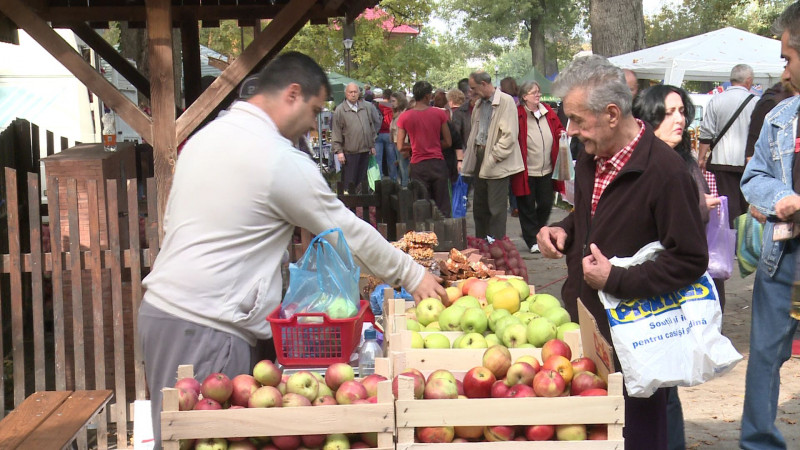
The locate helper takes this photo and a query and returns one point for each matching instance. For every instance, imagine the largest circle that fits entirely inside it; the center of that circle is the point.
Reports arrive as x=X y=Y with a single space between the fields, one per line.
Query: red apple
x=530 y=359
x=324 y=400
x=360 y=401
x=556 y=347
x=435 y=435
x=499 y=389
x=188 y=383
x=497 y=358
x=313 y=440
x=584 y=364
x=243 y=387
x=478 y=382
x=499 y=433
x=350 y=391
x=473 y=432
x=548 y=383
x=561 y=365
x=286 y=442
x=292 y=400
x=594 y=393
x=570 y=432
x=440 y=388
x=337 y=374
x=265 y=397
x=598 y=433
x=206 y=404
x=267 y=373
x=370 y=383
x=540 y=432
x=441 y=373
x=585 y=381
x=520 y=391
x=520 y=373
x=187 y=398
x=466 y=284
x=217 y=386
x=419 y=384
x=373 y=399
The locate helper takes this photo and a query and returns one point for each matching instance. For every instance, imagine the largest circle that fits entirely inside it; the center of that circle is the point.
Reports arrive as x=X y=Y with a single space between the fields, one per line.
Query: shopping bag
x=668 y=340
x=564 y=170
x=721 y=242
x=373 y=172
x=749 y=233
x=324 y=280
x=459 y=207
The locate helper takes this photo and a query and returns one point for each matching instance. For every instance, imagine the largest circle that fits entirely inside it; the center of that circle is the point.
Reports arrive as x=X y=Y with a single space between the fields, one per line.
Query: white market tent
x=707 y=57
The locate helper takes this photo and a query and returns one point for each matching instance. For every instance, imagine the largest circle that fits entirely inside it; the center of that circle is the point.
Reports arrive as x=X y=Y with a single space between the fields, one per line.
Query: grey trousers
x=169 y=341
x=489 y=204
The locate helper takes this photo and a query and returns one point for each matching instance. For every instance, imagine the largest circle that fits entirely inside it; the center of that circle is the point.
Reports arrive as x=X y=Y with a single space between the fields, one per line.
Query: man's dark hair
x=421 y=89
x=789 y=20
x=463 y=85
x=387 y=94
x=293 y=67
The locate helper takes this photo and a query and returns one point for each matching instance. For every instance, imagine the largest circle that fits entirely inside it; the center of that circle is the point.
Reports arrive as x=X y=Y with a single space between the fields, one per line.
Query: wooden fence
x=73 y=309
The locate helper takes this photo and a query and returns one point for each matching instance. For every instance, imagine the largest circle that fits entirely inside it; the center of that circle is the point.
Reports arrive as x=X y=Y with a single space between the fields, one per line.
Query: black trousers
x=354 y=169
x=534 y=208
x=433 y=173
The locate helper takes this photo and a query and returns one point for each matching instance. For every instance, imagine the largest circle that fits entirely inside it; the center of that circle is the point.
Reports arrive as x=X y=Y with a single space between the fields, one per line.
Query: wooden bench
x=50 y=419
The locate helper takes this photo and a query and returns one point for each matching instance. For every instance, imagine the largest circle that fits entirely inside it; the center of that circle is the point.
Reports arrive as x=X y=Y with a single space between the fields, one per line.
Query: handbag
x=721 y=242
x=749 y=235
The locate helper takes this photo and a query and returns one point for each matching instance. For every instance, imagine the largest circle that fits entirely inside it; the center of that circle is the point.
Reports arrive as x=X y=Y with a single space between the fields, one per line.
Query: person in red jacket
x=539 y=130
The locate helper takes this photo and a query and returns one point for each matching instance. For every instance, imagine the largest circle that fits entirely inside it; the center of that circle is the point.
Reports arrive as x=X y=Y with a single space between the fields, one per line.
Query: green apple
x=503 y=323
x=543 y=302
x=416 y=340
x=413 y=325
x=569 y=326
x=474 y=321
x=521 y=286
x=341 y=308
x=492 y=339
x=514 y=335
x=488 y=309
x=433 y=326
x=472 y=340
x=558 y=316
x=457 y=341
x=525 y=317
x=525 y=306
x=411 y=313
x=428 y=310
x=540 y=330
x=495 y=287
x=437 y=340
x=527 y=345
x=468 y=301
x=450 y=318
x=495 y=316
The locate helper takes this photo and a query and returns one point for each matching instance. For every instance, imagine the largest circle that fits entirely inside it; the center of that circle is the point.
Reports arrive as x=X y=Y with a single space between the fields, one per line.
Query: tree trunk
x=133 y=45
x=617 y=26
x=536 y=42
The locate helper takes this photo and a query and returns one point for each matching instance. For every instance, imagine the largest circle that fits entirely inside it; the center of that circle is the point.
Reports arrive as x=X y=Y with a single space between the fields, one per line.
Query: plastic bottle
x=109 y=133
x=368 y=352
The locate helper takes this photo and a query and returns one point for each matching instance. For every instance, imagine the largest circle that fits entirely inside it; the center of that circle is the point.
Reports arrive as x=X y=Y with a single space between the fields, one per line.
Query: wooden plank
x=28 y=415
x=98 y=343
x=64 y=143
x=210 y=13
x=14 y=251
x=51 y=148
x=165 y=144
x=37 y=282
x=277 y=29
x=56 y=278
x=68 y=420
x=136 y=286
x=190 y=43
x=153 y=226
x=40 y=31
x=120 y=413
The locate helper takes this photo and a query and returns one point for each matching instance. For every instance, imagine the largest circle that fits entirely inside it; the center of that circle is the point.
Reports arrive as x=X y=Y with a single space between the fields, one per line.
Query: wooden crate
x=365 y=418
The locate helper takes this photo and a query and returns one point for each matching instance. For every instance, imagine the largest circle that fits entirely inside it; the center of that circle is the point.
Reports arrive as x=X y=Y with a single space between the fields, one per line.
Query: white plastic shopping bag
x=668 y=340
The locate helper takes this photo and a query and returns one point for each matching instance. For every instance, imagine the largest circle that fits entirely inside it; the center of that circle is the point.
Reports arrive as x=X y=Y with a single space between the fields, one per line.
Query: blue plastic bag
x=459 y=206
x=324 y=280
x=376 y=297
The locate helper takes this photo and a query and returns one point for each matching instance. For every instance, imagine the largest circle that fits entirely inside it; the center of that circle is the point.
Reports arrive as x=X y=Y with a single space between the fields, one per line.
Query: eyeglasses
x=535 y=93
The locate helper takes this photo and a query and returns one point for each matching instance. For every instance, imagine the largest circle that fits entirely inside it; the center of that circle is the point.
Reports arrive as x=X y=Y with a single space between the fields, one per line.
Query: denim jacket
x=768 y=176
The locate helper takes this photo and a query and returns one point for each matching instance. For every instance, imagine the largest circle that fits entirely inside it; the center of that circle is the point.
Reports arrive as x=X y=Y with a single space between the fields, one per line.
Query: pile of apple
x=498 y=377
x=268 y=387
x=489 y=312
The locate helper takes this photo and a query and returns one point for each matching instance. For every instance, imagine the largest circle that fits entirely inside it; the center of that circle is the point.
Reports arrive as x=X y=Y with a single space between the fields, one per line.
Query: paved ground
x=712 y=411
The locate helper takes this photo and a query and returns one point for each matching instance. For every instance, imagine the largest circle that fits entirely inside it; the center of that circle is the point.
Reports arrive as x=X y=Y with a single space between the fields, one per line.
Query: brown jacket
x=653 y=198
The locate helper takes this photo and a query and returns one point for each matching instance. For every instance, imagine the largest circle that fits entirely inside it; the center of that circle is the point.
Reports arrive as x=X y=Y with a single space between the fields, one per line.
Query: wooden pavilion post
x=162 y=86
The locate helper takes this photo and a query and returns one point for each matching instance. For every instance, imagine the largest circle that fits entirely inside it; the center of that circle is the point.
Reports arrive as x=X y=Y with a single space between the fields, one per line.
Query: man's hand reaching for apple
x=431 y=286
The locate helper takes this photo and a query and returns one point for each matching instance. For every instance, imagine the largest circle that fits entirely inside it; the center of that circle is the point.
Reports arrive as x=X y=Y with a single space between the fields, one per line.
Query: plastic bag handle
x=319 y=239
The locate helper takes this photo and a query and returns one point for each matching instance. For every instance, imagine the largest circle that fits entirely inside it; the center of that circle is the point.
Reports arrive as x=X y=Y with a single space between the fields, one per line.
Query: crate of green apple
x=497 y=401
x=268 y=409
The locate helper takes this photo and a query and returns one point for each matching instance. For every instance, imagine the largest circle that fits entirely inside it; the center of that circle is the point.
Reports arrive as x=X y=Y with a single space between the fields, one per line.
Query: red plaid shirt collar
x=606 y=169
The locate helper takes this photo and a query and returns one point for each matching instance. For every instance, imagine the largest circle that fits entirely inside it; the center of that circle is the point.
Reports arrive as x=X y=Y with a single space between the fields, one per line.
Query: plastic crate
x=315 y=344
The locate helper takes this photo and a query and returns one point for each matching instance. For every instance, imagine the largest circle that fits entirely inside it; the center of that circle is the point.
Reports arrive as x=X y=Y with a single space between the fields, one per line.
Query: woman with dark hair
x=670 y=110
x=399 y=104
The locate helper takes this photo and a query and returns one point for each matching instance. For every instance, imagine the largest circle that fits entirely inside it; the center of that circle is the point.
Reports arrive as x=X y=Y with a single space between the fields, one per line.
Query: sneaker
x=515 y=212
x=535 y=248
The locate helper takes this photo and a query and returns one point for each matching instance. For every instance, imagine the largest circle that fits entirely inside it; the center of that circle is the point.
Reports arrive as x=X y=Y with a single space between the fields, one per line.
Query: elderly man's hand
x=596 y=268
x=431 y=286
x=551 y=241
x=787 y=206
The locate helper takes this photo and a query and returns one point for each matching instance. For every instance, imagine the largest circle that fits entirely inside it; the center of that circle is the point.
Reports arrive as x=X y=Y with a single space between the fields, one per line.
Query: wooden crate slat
x=72 y=414
x=120 y=413
x=37 y=283
x=57 y=272
x=136 y=285
x=28 y=415
x=14 y=250
x=153 y=226
x=78 y=356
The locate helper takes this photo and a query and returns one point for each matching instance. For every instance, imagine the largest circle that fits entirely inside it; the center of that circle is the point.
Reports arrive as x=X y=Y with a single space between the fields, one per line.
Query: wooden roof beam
x=38 y=29
x=62 y=14
x=284 y=23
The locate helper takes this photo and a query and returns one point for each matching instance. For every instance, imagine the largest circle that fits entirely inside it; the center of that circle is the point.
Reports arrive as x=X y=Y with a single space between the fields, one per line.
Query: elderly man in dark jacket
x=630 y=189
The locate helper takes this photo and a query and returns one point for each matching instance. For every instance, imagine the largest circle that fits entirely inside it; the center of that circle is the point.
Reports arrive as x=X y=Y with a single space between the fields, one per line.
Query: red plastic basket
x=315 y=344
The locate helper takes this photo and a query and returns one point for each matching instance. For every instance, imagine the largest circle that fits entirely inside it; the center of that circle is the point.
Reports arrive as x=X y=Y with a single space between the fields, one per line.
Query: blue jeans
x=771 y=337
x=403 y=166
x=385 y=146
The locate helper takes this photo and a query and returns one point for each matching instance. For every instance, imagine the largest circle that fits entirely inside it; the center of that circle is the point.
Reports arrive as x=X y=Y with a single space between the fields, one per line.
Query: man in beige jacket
x=492 y=155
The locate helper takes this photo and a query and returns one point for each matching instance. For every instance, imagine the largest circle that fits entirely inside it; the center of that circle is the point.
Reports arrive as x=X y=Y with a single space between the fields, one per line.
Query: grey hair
x=527 y=86
x=480 y=76
x=789 y=20
x=604 y=83
x=741 y=73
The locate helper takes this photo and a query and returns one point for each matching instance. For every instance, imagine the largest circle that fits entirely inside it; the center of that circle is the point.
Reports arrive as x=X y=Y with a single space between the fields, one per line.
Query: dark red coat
x=519 y=181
